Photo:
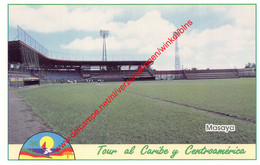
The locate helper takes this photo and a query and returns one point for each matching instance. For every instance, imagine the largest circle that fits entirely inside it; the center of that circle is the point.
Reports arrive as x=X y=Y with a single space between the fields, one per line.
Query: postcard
x=131 y=82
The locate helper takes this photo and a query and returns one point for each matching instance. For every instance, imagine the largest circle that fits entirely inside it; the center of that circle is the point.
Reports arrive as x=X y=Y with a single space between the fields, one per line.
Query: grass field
x=133 y=118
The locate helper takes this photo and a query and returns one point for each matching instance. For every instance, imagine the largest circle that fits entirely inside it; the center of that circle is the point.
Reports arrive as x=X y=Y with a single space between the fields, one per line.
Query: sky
x=222 y=36
x=38 y=137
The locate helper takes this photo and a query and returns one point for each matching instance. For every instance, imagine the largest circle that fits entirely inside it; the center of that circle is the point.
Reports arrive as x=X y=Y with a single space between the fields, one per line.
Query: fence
x=78 y=56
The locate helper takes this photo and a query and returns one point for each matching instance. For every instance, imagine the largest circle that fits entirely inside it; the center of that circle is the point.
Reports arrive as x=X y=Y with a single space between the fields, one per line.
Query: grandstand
x=26 y=56
x=36 y=64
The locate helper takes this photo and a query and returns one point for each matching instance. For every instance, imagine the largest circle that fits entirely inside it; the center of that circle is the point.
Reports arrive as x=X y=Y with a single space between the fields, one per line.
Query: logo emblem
x=45 y=145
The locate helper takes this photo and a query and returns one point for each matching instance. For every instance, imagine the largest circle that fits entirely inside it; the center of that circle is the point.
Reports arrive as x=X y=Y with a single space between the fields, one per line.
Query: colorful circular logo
x=46 y=145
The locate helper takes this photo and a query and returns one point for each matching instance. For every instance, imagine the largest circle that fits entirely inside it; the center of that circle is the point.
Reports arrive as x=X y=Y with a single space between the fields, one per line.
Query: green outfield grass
x=132 y=118
x=234 y=97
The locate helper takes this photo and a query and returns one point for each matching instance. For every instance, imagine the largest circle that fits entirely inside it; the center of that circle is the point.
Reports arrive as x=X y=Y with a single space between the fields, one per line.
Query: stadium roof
x=16 y=49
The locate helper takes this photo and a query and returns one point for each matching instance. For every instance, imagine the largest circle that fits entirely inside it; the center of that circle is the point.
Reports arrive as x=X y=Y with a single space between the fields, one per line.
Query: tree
x=33 y=143
x=250 y=65
x=194 y=68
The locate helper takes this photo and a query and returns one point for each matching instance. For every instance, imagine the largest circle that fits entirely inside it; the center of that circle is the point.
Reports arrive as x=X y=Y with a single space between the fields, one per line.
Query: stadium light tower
x=104 y=34
x=177 y=57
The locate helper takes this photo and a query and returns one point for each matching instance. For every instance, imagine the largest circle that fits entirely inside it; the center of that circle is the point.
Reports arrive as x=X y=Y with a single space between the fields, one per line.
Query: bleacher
x=62 y=75
x=217 y=75
x=22 y=76
x=116 y=75
x=145 y=75
x=19 y=79
x=107 y=77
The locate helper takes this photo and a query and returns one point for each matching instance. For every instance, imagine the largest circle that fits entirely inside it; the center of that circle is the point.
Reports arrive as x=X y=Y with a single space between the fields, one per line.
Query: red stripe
x=29 y=154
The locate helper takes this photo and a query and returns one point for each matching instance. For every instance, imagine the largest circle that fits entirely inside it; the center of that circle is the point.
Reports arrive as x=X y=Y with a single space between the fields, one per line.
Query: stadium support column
x=177 y=57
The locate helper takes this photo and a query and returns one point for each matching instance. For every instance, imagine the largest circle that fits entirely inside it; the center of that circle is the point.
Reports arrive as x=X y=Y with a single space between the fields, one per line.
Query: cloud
x=142 y=35
x=244 y=15
x=57 y=18
x=224 y=47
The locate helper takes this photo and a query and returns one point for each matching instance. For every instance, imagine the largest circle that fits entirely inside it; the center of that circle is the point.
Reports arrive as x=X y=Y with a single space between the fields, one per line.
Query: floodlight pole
x=104 y=34
x=177 y=57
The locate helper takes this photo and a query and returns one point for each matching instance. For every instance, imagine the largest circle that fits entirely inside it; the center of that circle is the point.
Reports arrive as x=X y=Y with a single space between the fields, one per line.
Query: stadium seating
x=19 y=79
x=62 y=75
x=20 y=75
x=116 y=75
x=219 y=75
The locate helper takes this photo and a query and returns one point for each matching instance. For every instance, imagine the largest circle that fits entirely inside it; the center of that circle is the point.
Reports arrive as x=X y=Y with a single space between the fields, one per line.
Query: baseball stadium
x=159 y=107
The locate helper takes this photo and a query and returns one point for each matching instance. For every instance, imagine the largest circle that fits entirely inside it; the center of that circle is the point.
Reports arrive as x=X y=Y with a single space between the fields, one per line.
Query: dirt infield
x=22 y=121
